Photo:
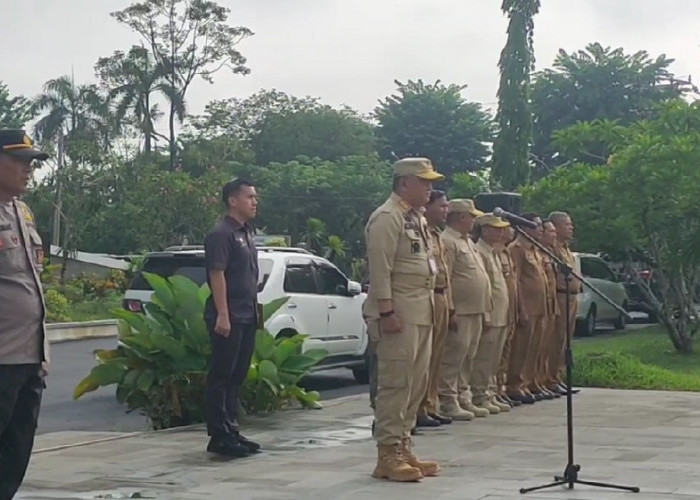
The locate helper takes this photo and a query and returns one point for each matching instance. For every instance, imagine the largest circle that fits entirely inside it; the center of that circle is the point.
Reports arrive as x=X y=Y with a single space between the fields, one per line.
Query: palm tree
x=75 y=119
x=132 y=80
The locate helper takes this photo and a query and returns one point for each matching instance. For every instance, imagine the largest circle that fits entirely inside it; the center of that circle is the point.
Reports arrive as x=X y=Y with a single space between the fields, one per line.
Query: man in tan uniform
x=402 y=272
x=565 y=233
x=512 y=283
x=436 y=215
x=532 y=287
x=549 y=354
x=471 y=296
x=490 y=231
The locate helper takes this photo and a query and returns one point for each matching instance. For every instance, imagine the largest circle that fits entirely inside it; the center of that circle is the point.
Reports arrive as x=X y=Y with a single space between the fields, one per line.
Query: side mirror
x=354 y=288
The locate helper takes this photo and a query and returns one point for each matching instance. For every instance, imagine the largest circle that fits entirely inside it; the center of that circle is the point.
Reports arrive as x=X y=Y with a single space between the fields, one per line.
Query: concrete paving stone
x=637 y=438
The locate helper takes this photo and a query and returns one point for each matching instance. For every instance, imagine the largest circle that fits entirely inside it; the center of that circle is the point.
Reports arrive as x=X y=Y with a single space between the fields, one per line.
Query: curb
x=173 y=430
x=65 y=332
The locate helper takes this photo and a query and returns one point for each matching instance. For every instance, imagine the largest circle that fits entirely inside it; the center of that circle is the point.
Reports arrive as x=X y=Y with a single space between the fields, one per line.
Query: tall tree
x=131 y=79
x=321 y=132
x=512 y=145
x=189 y=39
x=435 y=121
x=76 y=122
x=597 y=83
x=15 y=111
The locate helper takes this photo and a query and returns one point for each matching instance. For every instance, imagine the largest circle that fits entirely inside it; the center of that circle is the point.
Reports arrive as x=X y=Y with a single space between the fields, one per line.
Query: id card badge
x=433 y=265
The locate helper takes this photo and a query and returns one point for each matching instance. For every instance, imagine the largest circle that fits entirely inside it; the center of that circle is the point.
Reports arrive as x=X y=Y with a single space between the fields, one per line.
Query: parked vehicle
x=323 y=303
x=593 y=310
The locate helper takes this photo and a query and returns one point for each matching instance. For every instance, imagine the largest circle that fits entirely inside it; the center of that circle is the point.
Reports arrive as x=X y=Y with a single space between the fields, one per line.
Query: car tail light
x=133 y=305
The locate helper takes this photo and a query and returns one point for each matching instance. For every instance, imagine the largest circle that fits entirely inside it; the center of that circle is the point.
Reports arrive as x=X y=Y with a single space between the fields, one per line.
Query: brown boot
x=426 y=468
x=392 y=465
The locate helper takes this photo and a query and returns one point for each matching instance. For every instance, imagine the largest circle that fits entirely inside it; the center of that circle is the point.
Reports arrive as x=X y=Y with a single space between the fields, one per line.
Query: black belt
x=570 y=293
x=440 y=291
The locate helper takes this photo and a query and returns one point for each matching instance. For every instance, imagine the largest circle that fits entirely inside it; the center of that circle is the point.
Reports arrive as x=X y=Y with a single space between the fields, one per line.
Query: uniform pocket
x=11 y=254
x=392 y=365
x=37 y=249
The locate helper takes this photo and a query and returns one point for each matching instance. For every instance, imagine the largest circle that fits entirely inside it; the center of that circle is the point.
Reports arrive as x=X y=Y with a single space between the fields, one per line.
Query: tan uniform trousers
x=548 y=364
x=486 y=363
x=502 y=377
x=522 y=361
x=534 y=354
x=458 y=358
x=403 y=359
x=561 y=330
x=430 y=402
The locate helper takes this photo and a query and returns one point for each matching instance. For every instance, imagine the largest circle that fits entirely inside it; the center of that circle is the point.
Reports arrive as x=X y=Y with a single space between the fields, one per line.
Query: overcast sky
x=351 y=51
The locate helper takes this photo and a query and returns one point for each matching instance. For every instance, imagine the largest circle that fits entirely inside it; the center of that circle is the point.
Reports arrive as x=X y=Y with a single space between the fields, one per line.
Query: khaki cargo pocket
x=393 y=366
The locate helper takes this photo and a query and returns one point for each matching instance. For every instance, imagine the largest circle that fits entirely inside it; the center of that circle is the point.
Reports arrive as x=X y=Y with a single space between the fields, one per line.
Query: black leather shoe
x=528 y=399
x=512 y=402
x=537 y=396
x=252 y=446
x=227 y=448
x=426 y=421
x=440 y=418
x=547 y=395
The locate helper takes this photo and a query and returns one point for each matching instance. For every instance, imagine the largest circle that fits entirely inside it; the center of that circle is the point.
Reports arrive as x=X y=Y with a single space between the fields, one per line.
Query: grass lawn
x=639 y=359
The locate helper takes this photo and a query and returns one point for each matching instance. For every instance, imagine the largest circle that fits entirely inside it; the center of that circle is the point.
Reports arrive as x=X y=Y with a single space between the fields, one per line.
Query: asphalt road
x=99 y=410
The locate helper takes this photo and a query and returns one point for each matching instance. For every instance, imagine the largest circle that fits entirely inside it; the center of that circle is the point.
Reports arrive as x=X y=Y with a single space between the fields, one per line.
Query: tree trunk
x=56 y=231
x=173 y=146
x=678 y=333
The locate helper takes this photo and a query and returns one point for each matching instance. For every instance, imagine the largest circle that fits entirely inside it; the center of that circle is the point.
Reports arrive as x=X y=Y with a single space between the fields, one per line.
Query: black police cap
x=17 y=143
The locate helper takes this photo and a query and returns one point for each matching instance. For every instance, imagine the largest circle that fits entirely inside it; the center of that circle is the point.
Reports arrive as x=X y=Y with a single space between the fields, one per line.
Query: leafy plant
x=57 y=306
x=161 y=361
x=277 y=367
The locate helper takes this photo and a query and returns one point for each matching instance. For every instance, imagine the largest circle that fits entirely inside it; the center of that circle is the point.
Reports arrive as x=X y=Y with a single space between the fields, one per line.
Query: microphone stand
x=570 y=476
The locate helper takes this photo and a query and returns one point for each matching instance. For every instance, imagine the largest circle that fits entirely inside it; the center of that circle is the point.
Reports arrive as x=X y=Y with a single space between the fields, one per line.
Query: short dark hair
x=548 y=221
x=436 y=194
x=530 y=216
x=232 y=188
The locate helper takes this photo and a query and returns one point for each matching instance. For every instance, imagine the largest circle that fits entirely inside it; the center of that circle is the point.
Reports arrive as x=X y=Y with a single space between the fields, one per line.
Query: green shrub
x=57 y=306
x=160 y=363
x=624 y=371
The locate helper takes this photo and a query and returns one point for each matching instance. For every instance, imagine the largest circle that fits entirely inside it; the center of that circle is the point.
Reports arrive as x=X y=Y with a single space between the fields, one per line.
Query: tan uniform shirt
x=22 y=333
x=550 y=271
x=512 y=283
x=499 y=288
x=442 y=279
x=565 y=254
x=471 y=287
x=401 y=264
x=532 y=280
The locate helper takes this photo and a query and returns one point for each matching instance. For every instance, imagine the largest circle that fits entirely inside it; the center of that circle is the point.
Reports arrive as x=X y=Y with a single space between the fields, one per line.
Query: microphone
x=516 y=220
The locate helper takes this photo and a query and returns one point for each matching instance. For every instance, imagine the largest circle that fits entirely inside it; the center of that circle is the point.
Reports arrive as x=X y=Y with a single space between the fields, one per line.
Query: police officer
x=471 y=296
x=565 y=233
x=24 y=353
x=490 y=231
x=532 y=283
x=435 y=216
x=402 y=270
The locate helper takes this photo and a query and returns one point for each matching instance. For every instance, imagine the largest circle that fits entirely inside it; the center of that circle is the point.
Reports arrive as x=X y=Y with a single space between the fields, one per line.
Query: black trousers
x=228 y=367
x=21 y=387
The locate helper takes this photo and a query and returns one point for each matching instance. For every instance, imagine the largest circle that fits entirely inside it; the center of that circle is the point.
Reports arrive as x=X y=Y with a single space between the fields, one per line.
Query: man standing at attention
x=402 y=270
x=490 y=231
x=436 y=215
x=565 y=233
x=471 y=296
x=532 y=300
x=548 y=363
x=24 y=352
x=232 y=316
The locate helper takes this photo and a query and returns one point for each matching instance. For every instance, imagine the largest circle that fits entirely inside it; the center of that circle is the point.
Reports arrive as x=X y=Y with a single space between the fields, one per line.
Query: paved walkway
x=648 y=439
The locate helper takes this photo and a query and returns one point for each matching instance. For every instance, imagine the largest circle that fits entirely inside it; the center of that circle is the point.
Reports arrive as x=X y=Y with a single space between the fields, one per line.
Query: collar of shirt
x=525 y=243
x=453 y=232
x=236 y=224
x=403 y=205
x=486 y=246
